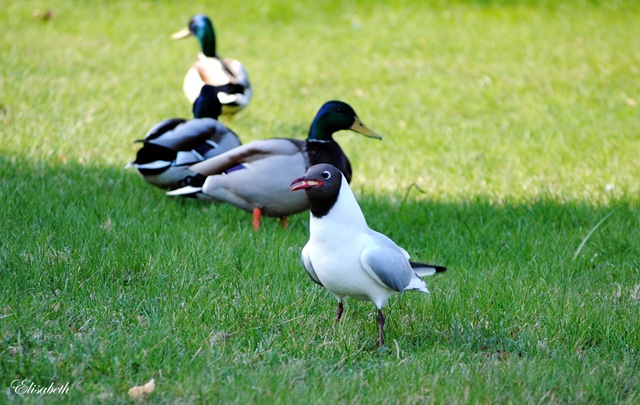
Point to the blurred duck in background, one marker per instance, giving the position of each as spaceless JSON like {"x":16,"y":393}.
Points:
{"x":227,"y":75}
{"x":172,"y":145}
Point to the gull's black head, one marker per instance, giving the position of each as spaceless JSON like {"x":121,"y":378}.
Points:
{"x":322,"y":184}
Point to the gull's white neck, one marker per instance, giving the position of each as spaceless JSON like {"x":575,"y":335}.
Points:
{"x":343,"y":219}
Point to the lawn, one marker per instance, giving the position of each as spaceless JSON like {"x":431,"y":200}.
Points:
{"x":510,"y":154}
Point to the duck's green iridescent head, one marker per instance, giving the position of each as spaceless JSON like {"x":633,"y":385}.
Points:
{"x":207,"y":105}
{"x":335,"y":116}
{"x":200,"y":27}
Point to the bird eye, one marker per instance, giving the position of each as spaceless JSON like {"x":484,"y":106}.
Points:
{"x":326,"y":175}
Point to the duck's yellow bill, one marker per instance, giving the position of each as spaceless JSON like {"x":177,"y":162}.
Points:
{"x":183,"y":33}
{"x":360,"y":128}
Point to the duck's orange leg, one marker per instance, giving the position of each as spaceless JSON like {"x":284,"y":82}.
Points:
{"x":257,"y":214}
{"x":285,"y":222}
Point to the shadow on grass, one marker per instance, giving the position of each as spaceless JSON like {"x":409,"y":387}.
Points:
{"x":473,"y":233}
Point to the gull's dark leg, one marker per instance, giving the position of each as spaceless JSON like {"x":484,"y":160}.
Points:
{"x":340,"y":309}
{"x":380,"y":326}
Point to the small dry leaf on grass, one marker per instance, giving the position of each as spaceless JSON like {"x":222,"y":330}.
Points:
{"x":44,"y":15}
{"x":140,"y":390}
{"x":107,"y":226}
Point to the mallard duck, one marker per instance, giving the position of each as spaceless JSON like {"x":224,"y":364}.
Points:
{"x":256,"y":176}
{"x":172,"y":145}
{"x":227,"y":75}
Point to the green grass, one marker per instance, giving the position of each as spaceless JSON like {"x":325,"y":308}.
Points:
{"x":510,"y":154}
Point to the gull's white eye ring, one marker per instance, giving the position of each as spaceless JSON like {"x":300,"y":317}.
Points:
{"x":326,"y":174}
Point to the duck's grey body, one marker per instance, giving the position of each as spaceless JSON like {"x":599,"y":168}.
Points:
{"x":173,"y":145}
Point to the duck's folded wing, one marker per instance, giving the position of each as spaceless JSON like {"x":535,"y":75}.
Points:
{"x":161,"y":127}
{"x":387,"y":266}
{"x":190,"y":134}
{"x":248,"y":153}
{"x":306,"y":263}
{"x":238,"y":73}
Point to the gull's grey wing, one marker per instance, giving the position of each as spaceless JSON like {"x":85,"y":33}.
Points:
{"x":387,"y":266}
{"x":383,"y":240}
{"x":306,"y":263}
{"x":421,"y":269}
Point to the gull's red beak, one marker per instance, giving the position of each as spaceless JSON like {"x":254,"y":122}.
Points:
{"x":302,"y":183}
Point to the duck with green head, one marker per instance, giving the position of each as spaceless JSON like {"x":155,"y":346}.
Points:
{"x":256,"y":176}
{"x":174,"y":144}
{"x":228,"y":75}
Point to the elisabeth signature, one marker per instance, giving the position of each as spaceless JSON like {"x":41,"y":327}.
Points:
{"x":27,"y":387}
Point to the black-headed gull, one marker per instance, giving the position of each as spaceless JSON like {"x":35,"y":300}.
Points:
{"x":347,"y":257}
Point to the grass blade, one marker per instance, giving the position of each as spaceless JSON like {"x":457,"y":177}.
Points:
{"x":588,"y":236}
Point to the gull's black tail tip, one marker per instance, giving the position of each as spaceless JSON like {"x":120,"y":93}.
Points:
{"x":422,"y":269}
